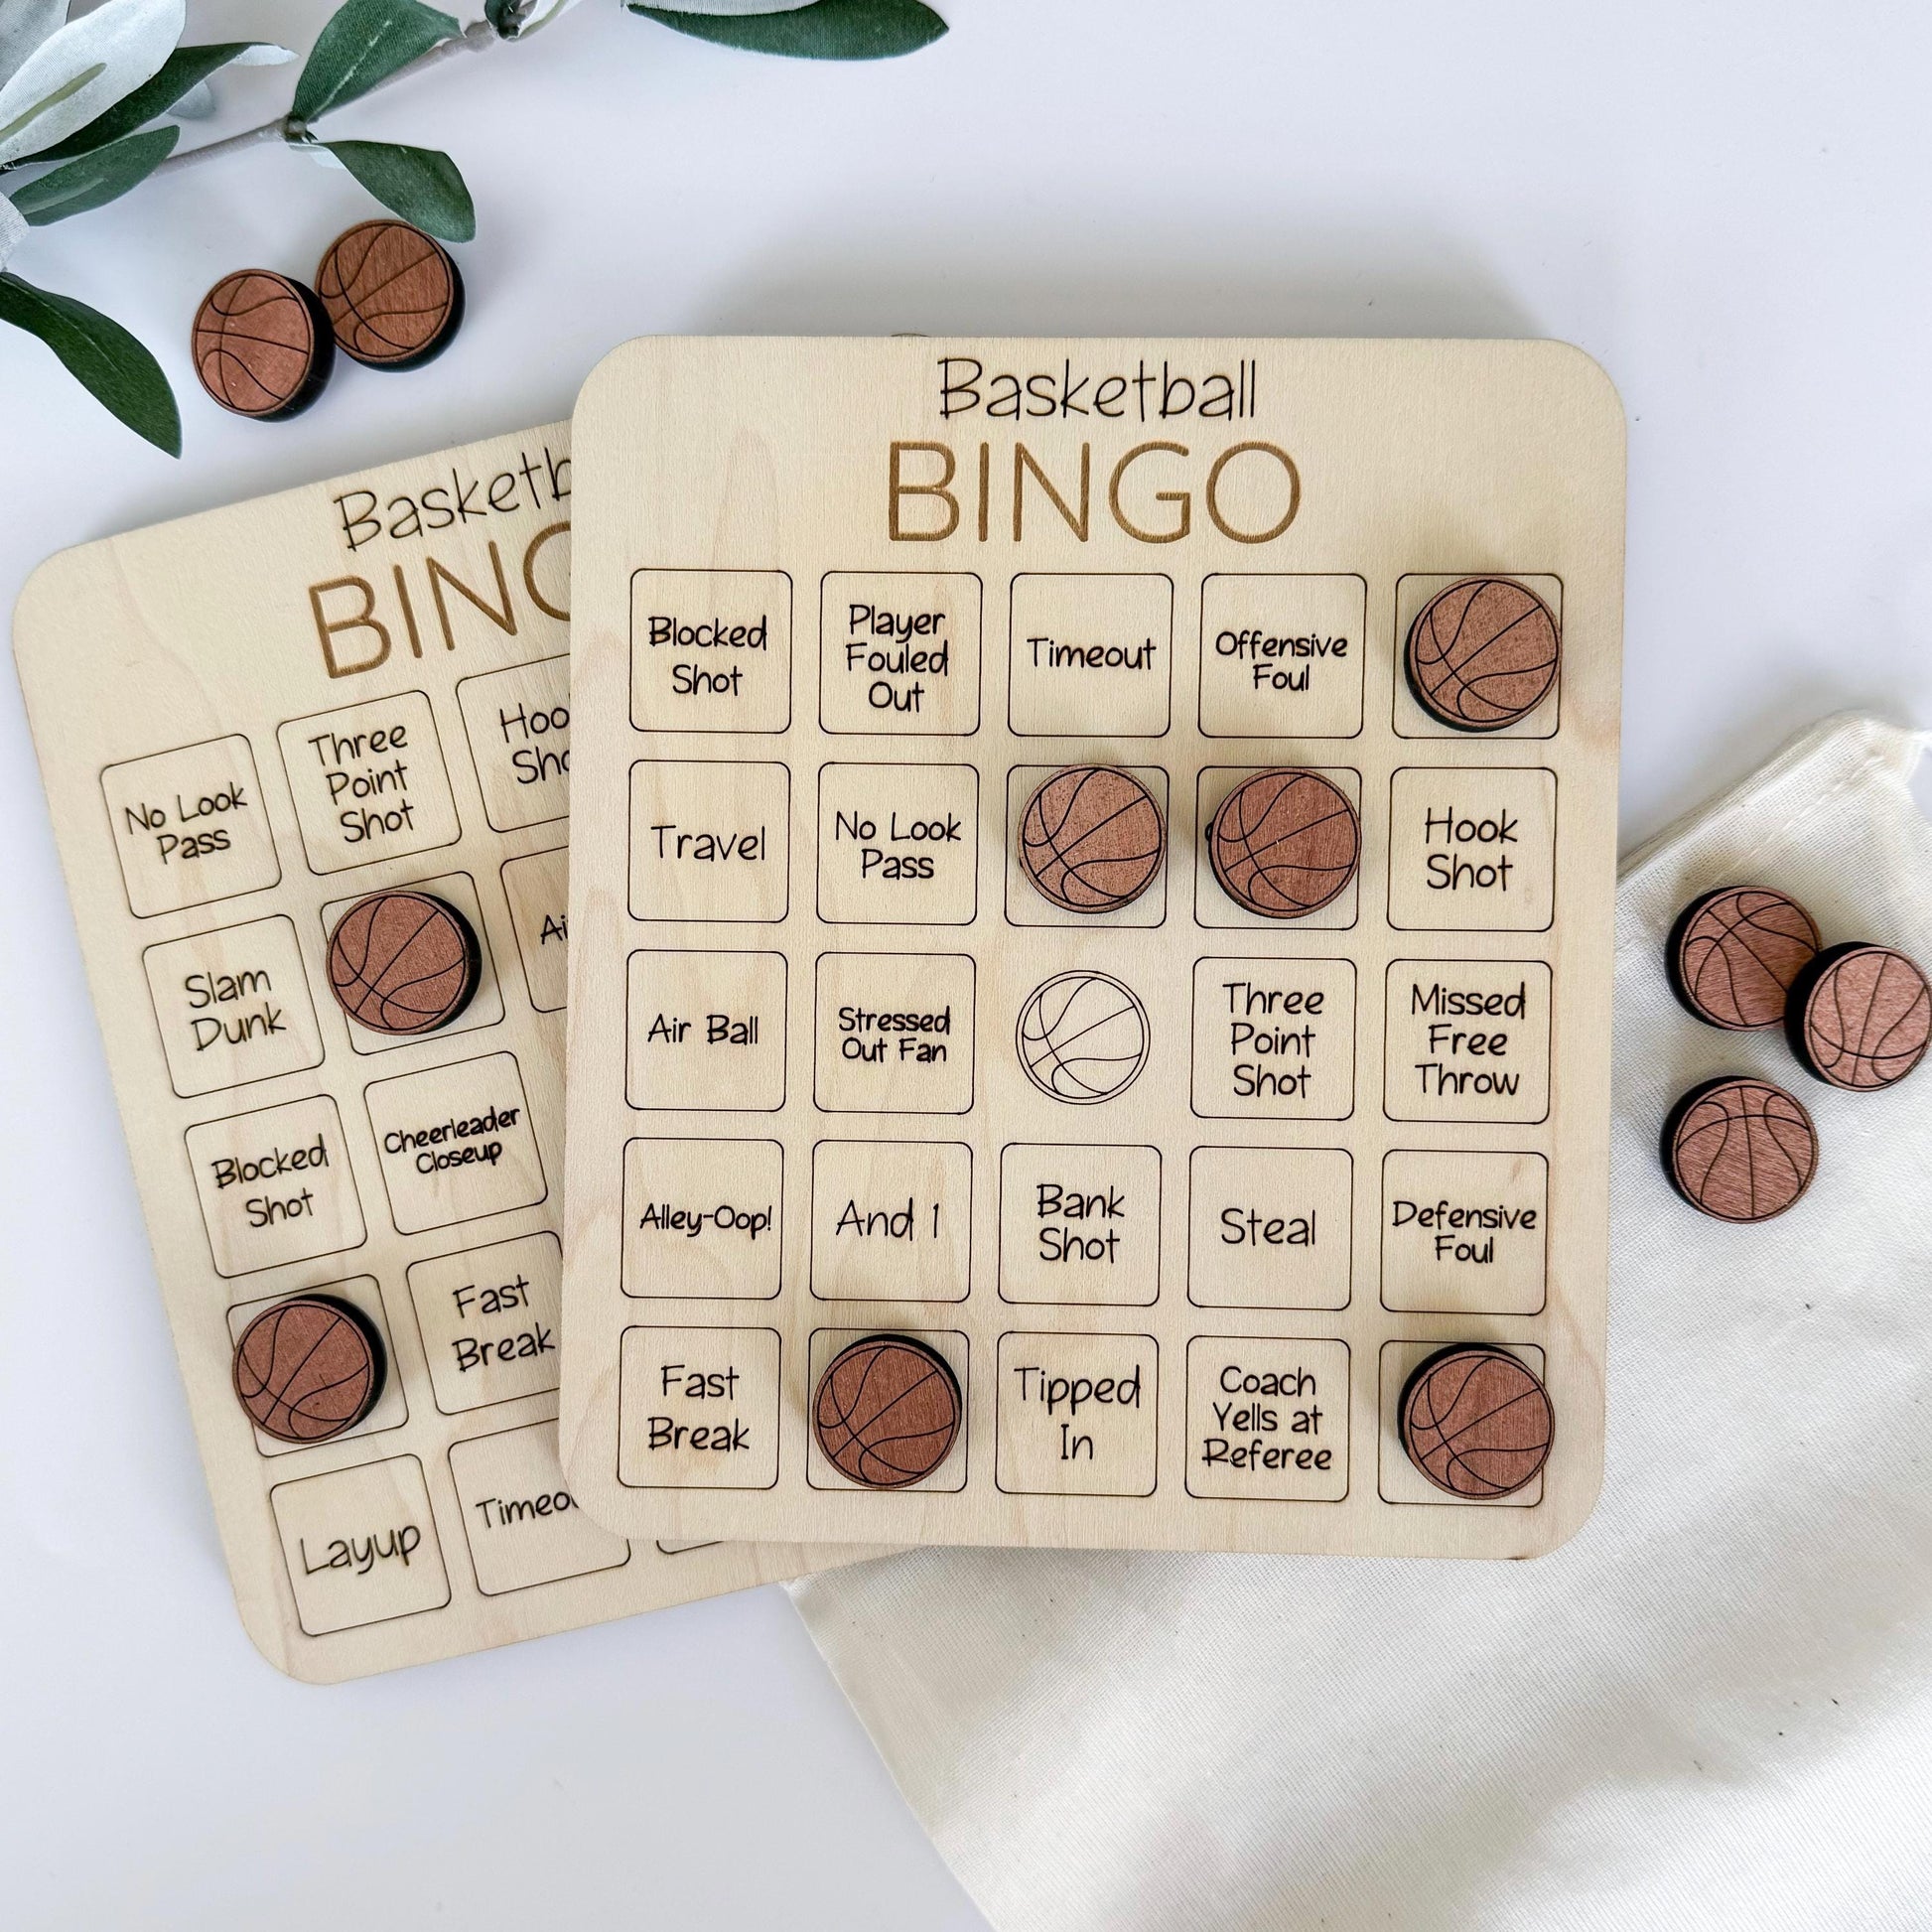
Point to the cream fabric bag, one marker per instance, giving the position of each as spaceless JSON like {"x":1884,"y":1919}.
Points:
{"x":1711,"y":1710}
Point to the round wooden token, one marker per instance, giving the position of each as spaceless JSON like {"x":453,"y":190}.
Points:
{"x":1476,"y":1420}
{"x":1739,"y":1148}
{"x":261,"y":344}
{"x":1092,"y":839}
{"x":1733,"y":954}
{"x":886,"y":1411}
{"x":402,"y":962}
{"x":1860,"y":1017}
{"x":1482,"y":653}
{"x":394,"y":294}
{"x":1284,"y":843}
{"x":308,"y":1369}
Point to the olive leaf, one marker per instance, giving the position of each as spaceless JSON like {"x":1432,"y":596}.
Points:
{"x":182,"y":69}
{"x":93,"y":179}
{"x":366,"y":42}
{"x":100,"y":353}
{"x":421,"y":184}
{"x":83,"y":68}
{"x":829,"y":30}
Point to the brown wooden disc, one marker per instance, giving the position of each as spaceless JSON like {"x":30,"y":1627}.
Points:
{"x":1735,"y":953}
{"x":392,"y":294}
{"x":1284,"y":843}
{"x":1092,"y":839}
{"x":1739,"y":1148}
{"x":1476,"y":1420}
{"x":308,"y":1369}
{"x":1860,"y":1017}
{"x":1482,"y":653}
{"x":402,"y":962}
{"x":886,"y":1411}
{"x":261,"y":344}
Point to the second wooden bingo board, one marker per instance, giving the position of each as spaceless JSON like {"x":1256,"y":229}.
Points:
{"x":1173,"y":1198}
{"x":250,"y":722}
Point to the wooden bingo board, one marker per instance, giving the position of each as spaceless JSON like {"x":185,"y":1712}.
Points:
{"x":843,"y":606}
{"x":247,"y":721}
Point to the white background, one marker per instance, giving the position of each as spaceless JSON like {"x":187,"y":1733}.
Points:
{"x":1726,"y":205}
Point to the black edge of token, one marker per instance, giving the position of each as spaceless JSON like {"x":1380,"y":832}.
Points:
{"x":321,"y":362}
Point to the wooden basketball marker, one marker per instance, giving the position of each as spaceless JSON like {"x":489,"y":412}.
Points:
{"x":1091,"y":925}
{"x":249,"y":724}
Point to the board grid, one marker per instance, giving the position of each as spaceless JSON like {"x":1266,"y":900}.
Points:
{"x":1164,"y":1187}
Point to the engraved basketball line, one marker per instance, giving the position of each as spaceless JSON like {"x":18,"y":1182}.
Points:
{"x":1508,"y":1416}
{"x":1084,"y":873}
{"x":1451,"y":681}
{"x":1865,"y":1029}
{"x":852,"y":1446}
{"x":281,"y":1398}
{"x":368,"y":326}
{"x":372,"y":994}
{"x":1740,"y":950}
{"x":1077,"y":1077}
{"x":1298,"y":867}
{"x":1744,"y":1149}
{"x":289,"y":356}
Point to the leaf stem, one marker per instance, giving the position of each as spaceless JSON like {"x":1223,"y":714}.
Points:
{"x":474,"y":38}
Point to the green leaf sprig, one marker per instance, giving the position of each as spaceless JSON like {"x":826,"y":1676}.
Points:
{"x":79,"y":102}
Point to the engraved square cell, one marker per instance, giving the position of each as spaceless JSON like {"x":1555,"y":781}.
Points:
{"x":368,"y":783}
{"x":1472,"y":848}
{"x":1079,"y":1223}
{"x":897,"y":843}
{"x":189,"y":826}
{"x":518,"y":725}
{"x":1269,"y":1227}
{"x":899,"y":651}
{"x":698,"y":1408}
{"x":706,"y":1029}
{"x":703,"y":1218}
{"x":1268,"y":1419}
{"x":522,"y":1523}
{"x":488,"y":1317}
{"x":892,"y":1221}
{"x":361,"y":1545}
{"x":456,"y":1143}
{"x":232,"y":1006}
{"x":710,"y":840}
{"x":275,"y":1186}
{"x":1090,"y":655}
{"x":1464,"y":1231}
{"x":710,"y":650}
{"x":893,"y":1032}
{"x":537,"y":886}
{"x":1273,"y":1039}
{"x":1077,"y":1414}
{"x":1468,"y":1039}
{"x":1281,"y":655}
